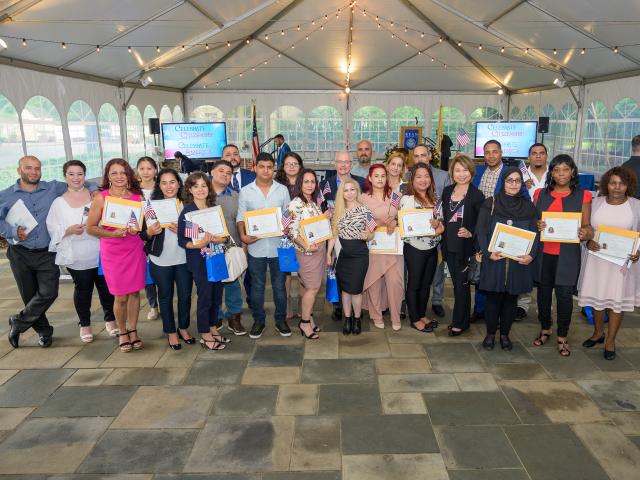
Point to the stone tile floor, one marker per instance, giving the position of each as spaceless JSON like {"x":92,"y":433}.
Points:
{"x":384,"y":405}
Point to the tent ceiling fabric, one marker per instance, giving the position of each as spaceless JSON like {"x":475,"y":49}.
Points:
{"x":378,"y":61}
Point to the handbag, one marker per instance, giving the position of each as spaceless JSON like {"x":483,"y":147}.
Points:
{"x":216,"y":265}
{"x":473,"y":268}
{"x":287,"y":260}
{"x":236,"y":261}
{"x":148,"y":280}
{"x":332,"y":293}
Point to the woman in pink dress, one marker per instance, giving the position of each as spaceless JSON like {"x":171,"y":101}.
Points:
{"x":384,"y":283}
{"x":121,"y":252}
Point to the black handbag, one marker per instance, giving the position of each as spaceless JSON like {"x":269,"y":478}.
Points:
{"x":473,"y":268}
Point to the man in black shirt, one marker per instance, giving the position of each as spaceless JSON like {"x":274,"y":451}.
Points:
{"x":634,"y":162}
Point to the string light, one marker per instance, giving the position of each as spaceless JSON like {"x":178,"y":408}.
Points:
{"x":64,"y":45}
{"x":502,"y":50}
{"x":615,"y":49}
{"x":24,"y":42}
{"x":129,"y":49}
{"x":298,"y":27}
{"x":480,"y":46}
{"x":228,"y":44}
{"x":206,"y":46}
{"x":266,"y":37}
{"x":406,"y":29}
{"x":183,"y":48}
{"x":248,"y":41}
{"x":459,"y":43}
{"x":379,"y":25}
{"x":281,"y":32}
{"x":439,"y":40}
{"x":555,"y":51}
{"x":158,"y":48}
{"x":98,"y":48}
{"x":392,"y":24}
{"x":422,"y":35}
{"x":526,"y":51}
{"x":406,"y":44}
{"x":583,"y":51}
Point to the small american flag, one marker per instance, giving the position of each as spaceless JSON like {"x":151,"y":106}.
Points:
{"x":85,"y":214}
{"x":191,"y":230}
{"x":439,"y":213}
{"x":458,"y":215}
{"x":395,"y":200}
{"x":524,"y":171}
{"x":286,"y":219}
{"x":327,"y":189}
{"x":320,"y":200}
{"x":463,"y":137}
{"x":133,"y":221}
{"x":371,"y":223}
{"x":149,"y":213}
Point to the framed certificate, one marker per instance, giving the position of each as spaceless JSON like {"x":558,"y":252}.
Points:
{"x":615,"y":242}
{"x":416,"y":222}
{"x":561,"y":227}
{"x":263,"y":223}
{"x":385,"y":244}
{"x":210,"y":219}
{"x":315,"y":229}
{"x":511,"y":242}
{"x":167,"y":211}
{"x":118,"y":213}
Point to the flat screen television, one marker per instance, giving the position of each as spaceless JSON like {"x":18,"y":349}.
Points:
{"x":515,"y":137}
{"x":197,"y":141}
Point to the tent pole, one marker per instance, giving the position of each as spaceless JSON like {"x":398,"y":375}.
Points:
{"x":577,"y":149}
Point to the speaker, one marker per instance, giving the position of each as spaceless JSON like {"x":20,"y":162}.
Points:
{"x":154,"y":126}
{"x":543,"y":124}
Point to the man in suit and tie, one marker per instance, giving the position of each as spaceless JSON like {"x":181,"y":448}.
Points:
{"x":281,"y":149}
{"x":240,"y":176}
{"x":422,"y":153}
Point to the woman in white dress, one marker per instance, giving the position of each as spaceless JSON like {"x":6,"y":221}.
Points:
{"x":77,"y":250}
{"x":147,"y":170}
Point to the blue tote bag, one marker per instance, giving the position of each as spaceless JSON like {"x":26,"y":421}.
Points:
{"x":216,"y":265}
{"x":287,"y":260}
{"x":332,"y":293}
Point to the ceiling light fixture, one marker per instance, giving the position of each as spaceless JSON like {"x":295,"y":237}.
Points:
{"x":129,"y":49}
{"x":24,"y":42}
{"x":98,"y":48}
{"x":158,"y":48}
{"x":555,"y":51}
{"x":583,"y":51}
{"x":3,"y":44}
{"x":615,"y":50}
{"x":347,"y":89}
{"x":559,"y":83}
{"x":64,"y":45}
{"x":500,"y":91}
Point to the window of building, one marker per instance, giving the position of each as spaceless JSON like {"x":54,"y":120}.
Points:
{"x":109,"y":125}
{"x":10,"y":142}
{"x":83,"y":133}
{"x":240,"y":128}
{"x":43,"y":135}
{"x":288,"y":121}
{"x":452,"y":120}
{"x":370,"y":123}
{"x":150,"y":140}
{"x":325,"y":130}
{"x":135,"y":135}
{"x":594,"y":156}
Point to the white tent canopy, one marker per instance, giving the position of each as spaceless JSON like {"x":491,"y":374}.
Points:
{"x":401,"y":59}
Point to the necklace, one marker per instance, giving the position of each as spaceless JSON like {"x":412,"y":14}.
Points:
{"x":76,"y":190}
{"x":453,"y":206}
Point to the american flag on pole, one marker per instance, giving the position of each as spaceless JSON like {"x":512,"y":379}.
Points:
{"x":463,"y":137}
{"x":286,"y":219}
{"x":524,"y":171}
{"x":149,"y":213}
{"x":395,"y":200}
{"x":255,"y":143}
{"x":191,"y":230}
{"x":458,"y":215}
{"x":133,"y":221}
{"x":371,"y":223}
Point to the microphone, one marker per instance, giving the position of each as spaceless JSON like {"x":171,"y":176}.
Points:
{"x":416,"y":120}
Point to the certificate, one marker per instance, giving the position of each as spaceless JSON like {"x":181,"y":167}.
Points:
{"x":385,"y":244}
{"x":167,"y":211}
{"x":121,"y":213}
{"x":315,"y":229}
{"x":263,"y":223}
{"x":416,"y":222}
{"x":19,"y":216}
{"x":615,"y":242}
{"x":210,"y":219}
{"x":511,"y":242}
{"x":561,"y":227}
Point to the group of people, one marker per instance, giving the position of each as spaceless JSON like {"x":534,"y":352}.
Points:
{"x":468,"y":202}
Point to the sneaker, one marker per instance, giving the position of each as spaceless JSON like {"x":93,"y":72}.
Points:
{"x":438,"y":310}
{"x":283,"y":329}
{"x":235,"y":325}
{"x":153,"y":314}
{"x":256,"y":330}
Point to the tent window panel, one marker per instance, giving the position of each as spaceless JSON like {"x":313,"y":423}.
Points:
{"x":404,"y":117}
{"x":177,"y":114}
{"x":370,"y":123}
{"x":452,"y":120}
{"x":165,"y":114}
{"x":624,"y":123}
{"x":10,"y":142}
{"x":83,"y":132}
{"x":43,"y":135}
{"x":594,"y":156}
{"x":206,"y":113}
{"x":289,"y":122}
{"x":109,"y":125}
{"x":325,"y":130}
{"x":562,"y":128}
{"x":240,"y":128}
{"x":149,"y":138}
{"x":135,"y":135}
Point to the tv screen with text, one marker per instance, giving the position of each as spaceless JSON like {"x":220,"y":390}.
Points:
{"x":195,"y":140}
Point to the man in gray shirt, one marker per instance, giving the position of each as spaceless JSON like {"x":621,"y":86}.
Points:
{"x":32,"y":264}
{"x":364,"y":153}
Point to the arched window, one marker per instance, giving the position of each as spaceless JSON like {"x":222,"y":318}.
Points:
{"x":83,"y":132}
{"x":240,"y":128}
{"x":177,"y":114}
{"x":289,"y":122}
{"x":527,"y":113}
{"x":206,"y":113}
{"x":149,"y":138}
{"x":135,"y":134}
{"x":109,"y":125}
{"x":10,"y":142}
{"x":562,"y":127}
{"x":325,"y":130}
{"x":594,"y":138}
{"x":452,"y":120}
{"x":165,"y":115}
{"x":405,"y":117}
{"x":624,"y":123}
{"x":43,"y":134}
{"x":370,"y":123}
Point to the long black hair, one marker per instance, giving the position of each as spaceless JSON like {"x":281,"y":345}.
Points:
{"x":297,"y":192}
{"x":567,"y":160}
{"x":281,"y":176}
{"x":157,"y":193}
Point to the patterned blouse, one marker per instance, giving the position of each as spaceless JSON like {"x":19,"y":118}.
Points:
{"x":353,"y":223}
{"x":300,"y":210}
{"x":421,"y":243}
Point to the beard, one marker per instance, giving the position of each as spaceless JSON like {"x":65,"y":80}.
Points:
{"x":28,"y":181}
{"x":363,"y":160}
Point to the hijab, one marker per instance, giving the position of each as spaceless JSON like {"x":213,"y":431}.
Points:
{"x":516,"y":207}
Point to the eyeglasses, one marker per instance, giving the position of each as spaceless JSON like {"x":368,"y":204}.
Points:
{"x":291,"y":164}
{"x":513,"y":181}
{"x":343,"y":162}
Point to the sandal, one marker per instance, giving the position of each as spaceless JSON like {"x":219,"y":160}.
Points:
{"x":216,"y":345}
{"x":541,"y":339}
{"x":85,"y":335}
{"x":111,"y":328}
{"x":136,"y":344}
{"x":563,"y":348}
{"x":220,"y":338}
{"x":312,"y":336}
{"x":125,"y":347}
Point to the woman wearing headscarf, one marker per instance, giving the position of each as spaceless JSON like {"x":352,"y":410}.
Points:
{"x":504,"y":278}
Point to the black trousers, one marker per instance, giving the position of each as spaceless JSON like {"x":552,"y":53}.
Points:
{"x":500,"y":310}
{"x":564,"y":297}
{"x":421,"y":268}
{"x":209,"y":301}
{"x":457,"y":262}
{"x":166,"y":278}
{"x":83,"y":282}
{"x":37,"y":277}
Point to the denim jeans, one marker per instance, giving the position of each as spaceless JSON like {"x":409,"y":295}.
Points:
{"x":152,"y":293}
{"x":258,"y":271}
{"x":165,"y":278}
{"x":232,"y":299}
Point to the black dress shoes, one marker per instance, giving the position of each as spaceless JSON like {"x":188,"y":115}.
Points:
{"x":45,"y":341}
{"x":609,"y":354}
{"x":337,"y":314}
{"x":438,"y":310}
{"x":489,"y":342}
{"x":505,"y":343}
{"x":588,"y":343}
{"x":14,"y":333}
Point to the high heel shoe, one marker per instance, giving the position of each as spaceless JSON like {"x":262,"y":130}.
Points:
{"x":188,"y":341}
{"x":356,"y":327}
{"x":589,"y":342}
{"x":312,"y":336}
{"x":347,"y":326}
{"x":137,"y":343}
{"x":609,"y":354}
{"x":215,"y":344}
{"x":505,"y":343}
{"x":125,"y":347}
{"x":174,"y":346}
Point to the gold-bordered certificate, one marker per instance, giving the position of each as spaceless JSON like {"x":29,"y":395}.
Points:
{"x":561,"y":227}
{"x":616,"y":242}
{"x":210,"y":219}
{"x":315,"y":229}
{"x":117,"y":213}
{"x":263,"y":223}
{"x":511,"y":242}
{"x":416,"y":222}
{"x":384,"y":244}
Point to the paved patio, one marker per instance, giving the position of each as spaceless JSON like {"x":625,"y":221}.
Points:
{"x":384,"y":405}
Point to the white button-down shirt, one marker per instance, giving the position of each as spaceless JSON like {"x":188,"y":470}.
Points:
{"x":251,"y":198}
{"x":536,"y":184}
